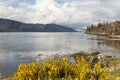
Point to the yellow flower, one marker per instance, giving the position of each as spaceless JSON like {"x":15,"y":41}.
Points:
{"x":60,"y":69}
{"x":117,"y":78}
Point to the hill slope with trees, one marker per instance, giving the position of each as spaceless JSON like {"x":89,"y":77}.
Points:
{"x":112,"y":28}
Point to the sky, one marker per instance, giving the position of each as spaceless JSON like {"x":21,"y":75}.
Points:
{"x":64,"y":12}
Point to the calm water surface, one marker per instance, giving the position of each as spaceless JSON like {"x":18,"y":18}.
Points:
{"x":18,"y":48}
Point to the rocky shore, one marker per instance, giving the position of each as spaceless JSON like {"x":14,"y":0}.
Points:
{"x":108,"y":61}
{"x":113,"y":37}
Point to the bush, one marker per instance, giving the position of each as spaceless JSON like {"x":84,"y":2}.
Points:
{"x":61,"y":69}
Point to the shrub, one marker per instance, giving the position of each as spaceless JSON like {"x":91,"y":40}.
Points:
{"x":61,"y":69}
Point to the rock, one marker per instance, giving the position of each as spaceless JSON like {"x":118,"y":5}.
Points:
{"x":39,"y":55}
{"x":80,"y":54}
{"x":25,"y":58}
{"x":95,"y":53}
{"x":72,"y":60}
{"x":108,"y":56}
{"x":96,"y":57}
{"x":102,"y":58}
{"x":104,"y":63}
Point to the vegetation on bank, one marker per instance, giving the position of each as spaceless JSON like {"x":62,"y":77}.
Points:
{"x":104,"y":28}
{"x":61,"y":69}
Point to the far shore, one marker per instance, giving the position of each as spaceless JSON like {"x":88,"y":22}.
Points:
{"x":93,"y":33}
{"x":109,"y":37}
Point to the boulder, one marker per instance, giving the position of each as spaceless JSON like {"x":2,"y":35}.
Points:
{"x":95,"y":55}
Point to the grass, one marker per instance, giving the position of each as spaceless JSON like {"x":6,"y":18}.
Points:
{"x":114,"y":74}
{"x":113,"y":61}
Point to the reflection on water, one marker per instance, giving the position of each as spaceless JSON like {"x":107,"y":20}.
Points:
{"x":108,"y":47}
{"x":18,"y":48}
{"x":112,"y":43}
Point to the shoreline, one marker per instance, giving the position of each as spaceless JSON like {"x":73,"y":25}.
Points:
{"x":108,"y":36}
{"x":114,"y":37}
{"x":93,"y":33}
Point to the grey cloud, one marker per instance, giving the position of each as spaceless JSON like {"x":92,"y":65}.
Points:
{"x":72,"y":12}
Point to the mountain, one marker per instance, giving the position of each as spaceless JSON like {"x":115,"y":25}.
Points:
{"x":79,"y":29}
{"x":104,"y":28}
{"x":7,"y":25}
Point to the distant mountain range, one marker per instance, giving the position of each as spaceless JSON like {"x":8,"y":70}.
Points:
{"x":7,"y":25}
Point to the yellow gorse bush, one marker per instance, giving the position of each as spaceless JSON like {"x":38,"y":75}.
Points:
{"x":61,"y":69}
{"x":99,"y":73}
{"x":117,"y":78}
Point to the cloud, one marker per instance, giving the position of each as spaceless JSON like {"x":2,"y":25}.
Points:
{"x":61,"y":12}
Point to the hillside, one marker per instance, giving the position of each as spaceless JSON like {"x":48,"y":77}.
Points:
{"x":104,"y":28}
{"x":7,"y":25}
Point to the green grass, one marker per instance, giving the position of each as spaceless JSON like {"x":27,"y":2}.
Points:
{"x":113,"y":62}
{"x":114,"y":74}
